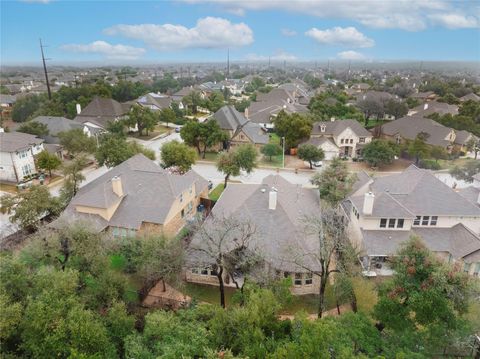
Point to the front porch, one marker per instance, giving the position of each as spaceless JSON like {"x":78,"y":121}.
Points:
{"x":376,"y":266}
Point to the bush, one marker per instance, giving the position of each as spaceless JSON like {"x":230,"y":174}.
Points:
{"x":429,"y":165}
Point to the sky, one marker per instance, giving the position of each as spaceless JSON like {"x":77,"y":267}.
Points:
{"x":124,"y":32}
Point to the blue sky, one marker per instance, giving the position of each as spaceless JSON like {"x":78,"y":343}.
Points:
{"x":201,"y":30}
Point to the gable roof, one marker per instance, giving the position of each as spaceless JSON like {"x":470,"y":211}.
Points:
{"x":158,"y":100}
{"x":149,"y":192}
{"x":429,"y":108}
{"x":471,"y":96}
{"x":409,"y":127}
{"x":277,"y":231}
{"x":56,"y":125}
{"x":420,"y":193}
{"x":102,"y":110}
{"x":335,"y":128}
{"x":17,"y":141}
{"x":458,"y":241}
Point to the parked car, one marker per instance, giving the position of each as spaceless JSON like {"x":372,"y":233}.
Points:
{"x":177,"y":129}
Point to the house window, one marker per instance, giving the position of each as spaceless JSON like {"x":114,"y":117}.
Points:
{"x":181,"y":197}
{"x":391,"y":223}
{"x":298,"y":279}
{"x":433,"y":221}
{"x":22,"y":154}
{"x":341,"y":141}
{"x":351,"y":140}
{"x":195,"y":271}
{"x":425,"y":220}
{"x":400,"y":223}
{"x":476,"y":271}
{"x":204,"y":271}
{"x":383,"y":223}
{"x":361,"y":140}
{"x":416,"y":222}
{"x":26,"y":169}
{"x":308,"y":278}
{"x":183,"y":213}
{"x":466,"y":267}
{"x":213,"y":272}
{"x":286,"y":274}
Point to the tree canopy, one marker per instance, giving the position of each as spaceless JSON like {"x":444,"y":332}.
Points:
{"x":294,"y":127}
{"x":178,"y":155}
{"x":380,"y":152}
{"x":242,"y":158}
{"x":310,"y":153}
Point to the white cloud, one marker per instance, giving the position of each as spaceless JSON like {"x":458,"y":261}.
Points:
{"x":288,"y":32}
{"x":345,"y":36}
{"x":410,"y":15}
{"x":119,"y":52}
{"x":351,"y":55}
{"x":455,"y":21}
{"x":278,"y":56}
{"x":209,"y":32}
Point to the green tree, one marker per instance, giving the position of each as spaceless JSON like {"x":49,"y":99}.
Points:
{"x":334,"y":182}
{"x":466,"y":172}
{"x":215,"y":101}
{"x":179,"y":155}
{"x":310,"y":153}
{"x":143,"y":118}
{"x":48,"y":161}
{"x":294,"y":127}
{"x":28,"y":208}
{"x":438,"y":153}
{"x":380,"y":152}
{"x":242,"y":158}
{"x":242,"y":105}
{"x":76,"y":141}
{"x":270,"y":150}
{"x":73,"y":175}
{"x":473,"y":145}
{"x":33,"y":128}
{"x":424,"y":300}
{"x":114,"y":150}
{"x":193,"y":100}
{"x":418,"y":148}
{"x":202,"y":135}
{"x":117,"y":128}
{"x":25,"y":107}
{"x":168,"y":115}
{"x":396,"y":108}
{"x":191,"y":134}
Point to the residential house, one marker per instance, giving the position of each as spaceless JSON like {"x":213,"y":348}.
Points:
{"x":138,"y":197}
{"x":471,"y":96}
{"x":56,"y":124}
{"x":6,"y":105}
{"x":239,"y":129}
{"x":409,"y":127}
{"x":472,"y":193}
{"x":179,"y":95}
{"x":17,"y":155}
{"x":424,"y":96}
{"x":385,"y":211}
{"x":276,"y":208}
{"x":339,"y":138}
{"x":429,"y":108}
{"x":154,"y":101}
{"x":462,"y":139}
{"x":268,"y":105}
{"x":100,"y":111}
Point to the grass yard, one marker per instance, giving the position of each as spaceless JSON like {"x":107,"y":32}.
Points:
{"x":157,"y":131}
{"x":449,"y":164}
{"x":8,"y":187}
{"x":209,"y":156}
{"x":274,"y":138}
{"x":208,"y":293}
{"x":277,"y":161}
{"x":216,"y":192}
{"x":373,"y":123}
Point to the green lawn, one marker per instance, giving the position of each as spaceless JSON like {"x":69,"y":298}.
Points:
{"x":449,"y":164}
{"x":208,"y":293}
{"x":209,"y":156}
{"x":274,"y":138}
{"x":277,"y":161}
{"x":157,"y":131}
{"x":216,"y":192}
{"x":372,"y":123}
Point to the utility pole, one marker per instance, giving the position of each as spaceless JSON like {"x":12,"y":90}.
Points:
{"x":45,"y":70}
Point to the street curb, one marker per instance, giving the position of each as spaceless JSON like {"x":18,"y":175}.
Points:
{"x":288,"y":169}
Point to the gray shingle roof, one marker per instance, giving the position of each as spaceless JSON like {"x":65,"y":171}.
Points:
{"x":470,"y":193}
{"x":16,"y":141}
{"x":278,"y":231}
{"x":149,"y":192}
{"x":420,"y":192}
{"x":462,"y":137}
{"x":409,"y":127}
{"x":441,"y":108}
{"x":470,"y":96}
{"x":160,"y":101}
{"x":458,"y":240}
{"x":102,"y":110}
{"x":334,"y":128}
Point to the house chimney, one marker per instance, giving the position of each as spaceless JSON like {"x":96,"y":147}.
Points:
{"x":79,"y":108}
{"x":425,"y":106}
{"x":272,"y":199}
{"x":246,"y":112}
{"x":368,"y":203}
{"x":117,"y":186}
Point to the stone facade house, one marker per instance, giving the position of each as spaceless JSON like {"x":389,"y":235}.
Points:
{"x":239,"y":129}
{"x":339,"y":138}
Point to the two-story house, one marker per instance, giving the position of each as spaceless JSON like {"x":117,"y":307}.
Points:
{"x":138,"y":197}
{"x":339,"y":138}
{"x":17,"y":155}
{"x":239,"y":129}
{"x":385,"y":211}
{"x":276,"y":209}
{"x":100,"y":111}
